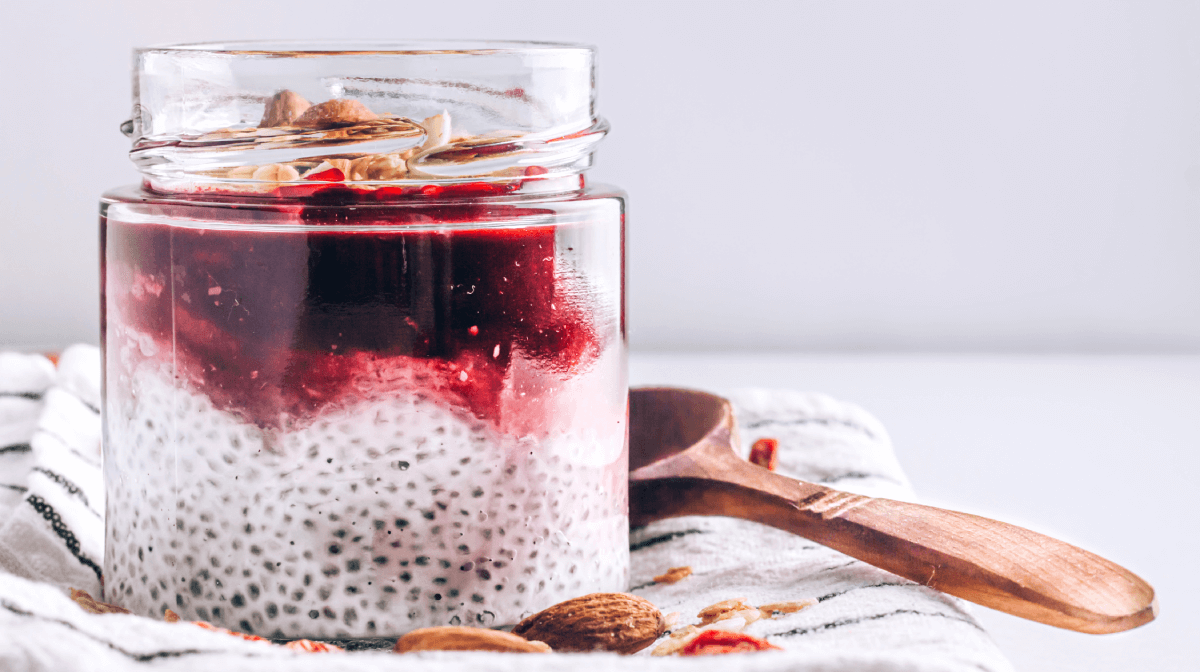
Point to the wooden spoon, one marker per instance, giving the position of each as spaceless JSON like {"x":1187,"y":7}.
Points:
{"x":682,"y":463}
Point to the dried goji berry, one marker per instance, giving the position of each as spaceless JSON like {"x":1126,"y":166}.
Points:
{"x":713,"y":642}
{"x":765,"y":453}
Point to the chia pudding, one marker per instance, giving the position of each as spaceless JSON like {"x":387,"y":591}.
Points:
{"x":338,"y":413}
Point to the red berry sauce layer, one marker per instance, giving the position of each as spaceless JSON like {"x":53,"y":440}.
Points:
{"x":275,"y":322}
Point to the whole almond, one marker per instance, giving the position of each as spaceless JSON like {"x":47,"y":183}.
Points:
{"x":241,"y":172}
{"x":283,"y":109}
{"x":596,"y":622}
{"x":276,"y":172}
{"x":335,"y":113}
{"x":458,"y":638}
{"x":378,"y":167}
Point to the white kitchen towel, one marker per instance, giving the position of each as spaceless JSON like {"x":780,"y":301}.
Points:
{"x":863,"y":619}
{"x":55,"y":532}
{"x":24,"y":380}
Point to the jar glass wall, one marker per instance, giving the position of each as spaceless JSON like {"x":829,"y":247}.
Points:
{"x":350,"y":405}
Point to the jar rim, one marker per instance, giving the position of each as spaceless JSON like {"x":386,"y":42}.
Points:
{"x":356,"y":47}
{"x":415,"y":111}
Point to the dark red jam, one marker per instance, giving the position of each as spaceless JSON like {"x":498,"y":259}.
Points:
{"x":275,"y":322}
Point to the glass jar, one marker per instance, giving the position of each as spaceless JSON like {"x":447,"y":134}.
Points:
{"x":364,"y":339}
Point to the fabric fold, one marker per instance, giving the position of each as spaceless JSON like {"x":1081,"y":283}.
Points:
{"x":54,"y":531}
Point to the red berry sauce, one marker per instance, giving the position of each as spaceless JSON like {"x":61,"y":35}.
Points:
{"x":274,"y":323}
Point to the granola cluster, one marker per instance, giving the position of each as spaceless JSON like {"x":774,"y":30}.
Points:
{"x":289,"y":121}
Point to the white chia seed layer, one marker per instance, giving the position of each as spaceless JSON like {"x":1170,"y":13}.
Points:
{"x":375,"y":519}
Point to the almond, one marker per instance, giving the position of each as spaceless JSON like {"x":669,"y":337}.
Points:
{"x":596,"y":622}
{"x":437,"y":130}
{"x":276,"y":172}
{"x":458,"y":638}
{"x":335,"y":113}
{"x":378,"y":167}
{"x":283,"y":109}
{"x":241,"y":172}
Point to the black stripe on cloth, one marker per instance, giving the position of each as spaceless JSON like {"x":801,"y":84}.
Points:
{"x":839,"y":593}
{"x":32,"y":396}
{"x":874,"y":617}
{"x":643,"y":585}
{"x":662,"y":539}
{"x":857,"y":474}
{"x":70,"y":487}
{"x":18,"y":488}
{"x":60,"y":528}
{"x":83,"y":401}
{"x":828,"y":422}
{"x":16,"y":448}
{"x":92,"y":461}
{"x":139,"y":657}
{"x":841,"y":566}
{"x":66,"y":484}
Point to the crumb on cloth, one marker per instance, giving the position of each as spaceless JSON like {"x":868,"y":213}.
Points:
{"x":93,"y":606}
{"x":674,"y":575}
{"x":727,"y":619}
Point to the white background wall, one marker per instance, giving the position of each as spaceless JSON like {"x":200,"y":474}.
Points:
{"x":1003,"y":176}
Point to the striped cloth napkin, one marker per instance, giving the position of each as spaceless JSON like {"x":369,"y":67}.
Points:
{"x":861,"y":619}
{"x":51,"y":489}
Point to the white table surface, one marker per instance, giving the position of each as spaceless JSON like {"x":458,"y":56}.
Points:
{"x":1101,"y":451}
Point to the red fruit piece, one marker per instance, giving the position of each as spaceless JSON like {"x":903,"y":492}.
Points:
{"x":715,"y":642}
{"x":306,"y":645}
{"x":765,"y":453}
{"x":309,"y":646}
{"x":327,"y":175}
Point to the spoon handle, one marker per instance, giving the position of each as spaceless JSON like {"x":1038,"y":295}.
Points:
{"x":997,"y":565}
